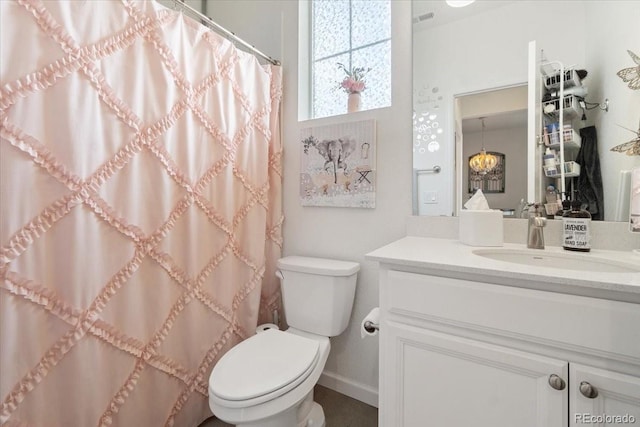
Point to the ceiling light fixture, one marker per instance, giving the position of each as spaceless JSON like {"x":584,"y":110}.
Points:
{"x":483,"y":162}
{"x":459,"y":3}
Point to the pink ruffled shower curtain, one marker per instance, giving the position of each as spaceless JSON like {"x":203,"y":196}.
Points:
{"x":140,"y":212}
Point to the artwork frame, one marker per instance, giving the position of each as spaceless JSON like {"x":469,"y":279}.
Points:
{"x":491,"y":182}
{"x":338,"y":165}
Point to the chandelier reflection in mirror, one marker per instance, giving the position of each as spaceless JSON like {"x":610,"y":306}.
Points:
{"x":483,"y":162}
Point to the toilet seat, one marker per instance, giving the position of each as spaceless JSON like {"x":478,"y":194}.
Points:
{"x":263,"y":367}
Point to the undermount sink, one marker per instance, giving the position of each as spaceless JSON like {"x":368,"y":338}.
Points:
{"x":564,"y":261}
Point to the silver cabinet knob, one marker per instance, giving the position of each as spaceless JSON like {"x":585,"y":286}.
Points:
{"x":556,"y":382}
{"x":588,"y":390}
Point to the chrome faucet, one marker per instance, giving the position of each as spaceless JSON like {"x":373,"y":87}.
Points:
{"x":535,"y":232}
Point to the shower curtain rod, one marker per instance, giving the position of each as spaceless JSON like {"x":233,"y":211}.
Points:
{"x":217,"y":27}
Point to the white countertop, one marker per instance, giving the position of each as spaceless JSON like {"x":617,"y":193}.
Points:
{"x":446,"y":257}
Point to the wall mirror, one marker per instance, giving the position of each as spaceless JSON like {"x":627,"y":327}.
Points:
{"x":465,"y":61}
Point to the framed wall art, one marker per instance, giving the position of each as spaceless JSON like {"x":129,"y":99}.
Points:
{"x":338,"y":165}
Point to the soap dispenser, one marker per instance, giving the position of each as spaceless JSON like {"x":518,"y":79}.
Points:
{"x":576,"y":226}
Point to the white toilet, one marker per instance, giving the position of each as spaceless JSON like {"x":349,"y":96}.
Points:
{"x":268,"y":379}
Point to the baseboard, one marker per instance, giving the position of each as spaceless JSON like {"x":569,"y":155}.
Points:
{"x":348,"y":387}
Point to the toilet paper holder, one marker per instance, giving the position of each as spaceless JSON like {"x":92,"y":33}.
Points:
{"x":369,"y":326}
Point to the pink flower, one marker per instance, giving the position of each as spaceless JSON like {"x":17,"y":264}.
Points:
{"x":354,"y":81}
{"x":358,"y":86}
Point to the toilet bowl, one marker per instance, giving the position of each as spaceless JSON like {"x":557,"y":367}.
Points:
{"x":268,"y":379}
{"x":274,"y":390}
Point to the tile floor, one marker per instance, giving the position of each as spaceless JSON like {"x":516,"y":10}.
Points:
{"x":339,"y":411}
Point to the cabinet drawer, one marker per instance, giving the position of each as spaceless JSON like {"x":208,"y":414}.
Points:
{"x":602,"y":328}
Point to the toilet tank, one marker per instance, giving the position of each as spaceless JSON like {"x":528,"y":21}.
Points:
{"x":317,"y":293}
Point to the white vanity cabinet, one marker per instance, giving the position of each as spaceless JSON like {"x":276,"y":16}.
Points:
{"x":456,"y":352}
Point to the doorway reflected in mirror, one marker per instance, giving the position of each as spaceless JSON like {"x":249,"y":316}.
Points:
{"x":504,"y":117}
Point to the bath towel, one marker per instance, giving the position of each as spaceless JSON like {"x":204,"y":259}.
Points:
{"x":590,"y":191}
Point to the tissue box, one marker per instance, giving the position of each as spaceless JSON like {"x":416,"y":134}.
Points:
{"x":481,"y":228}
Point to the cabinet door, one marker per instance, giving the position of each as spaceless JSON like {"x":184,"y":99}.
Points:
{"x":600,"y":397}
{"x":433,"y":379}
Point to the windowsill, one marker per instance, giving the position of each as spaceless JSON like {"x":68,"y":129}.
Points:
{"x":346,"y":115}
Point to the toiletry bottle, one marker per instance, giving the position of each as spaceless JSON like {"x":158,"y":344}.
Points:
{"x":576,"y":226}
{"x":549,"y":158}
{"x":555,"y":136}
{"x":566,"y":207}
{"x":551,"y":194}
{"x":545,"y":133}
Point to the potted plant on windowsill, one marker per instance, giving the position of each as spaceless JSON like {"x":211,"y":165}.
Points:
{"x":353,"y":84}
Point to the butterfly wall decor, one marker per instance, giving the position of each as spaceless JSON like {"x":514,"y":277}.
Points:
{"x":631,"y":75}
{"x":632,"y":148}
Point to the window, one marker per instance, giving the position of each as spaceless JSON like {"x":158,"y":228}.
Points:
{"x":356,"y":33}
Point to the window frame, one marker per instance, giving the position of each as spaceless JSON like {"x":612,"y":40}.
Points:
{"x":313,"y":60}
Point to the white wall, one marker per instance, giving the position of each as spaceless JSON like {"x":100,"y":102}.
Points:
{"x":494,"y":102}
{"x":339,"y":233}
{"x":258,"y":22}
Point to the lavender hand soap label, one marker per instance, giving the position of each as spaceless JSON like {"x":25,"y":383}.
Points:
{"x":577,"y":236}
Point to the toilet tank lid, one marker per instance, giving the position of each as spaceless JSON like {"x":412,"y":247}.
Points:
{"x":322,"y":266}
